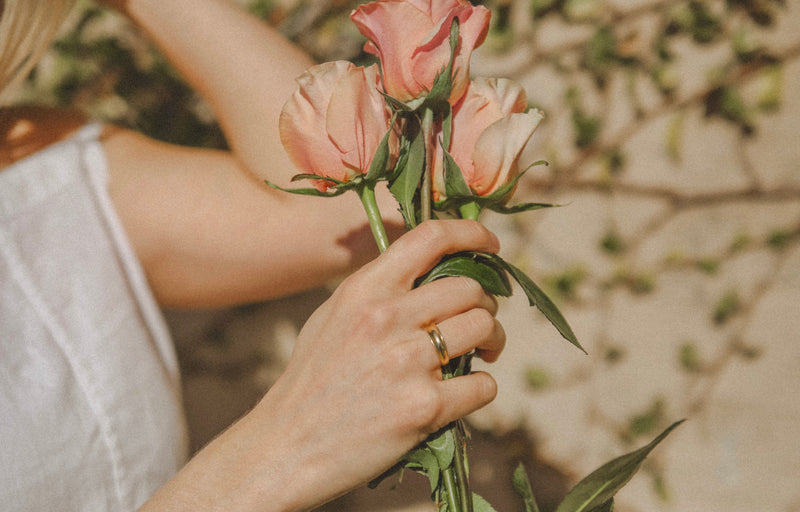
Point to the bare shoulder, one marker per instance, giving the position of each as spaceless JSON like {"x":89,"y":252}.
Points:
{"x":24,"y":130}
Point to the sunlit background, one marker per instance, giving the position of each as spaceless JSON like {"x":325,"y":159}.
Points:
{"x":673,"y":141}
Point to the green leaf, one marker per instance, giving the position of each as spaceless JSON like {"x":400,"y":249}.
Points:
{"x":480,"y":267}
{"x":380,"y":160}
{"x":308,"y":191}
{"x":402,"y":160}
{"x":602,"y":50}
{"x":447,"y":127}
{"x":481,"y":505}
{"x":500,"y":195}
{"x":397,"y":469}
{"x":587,"y":128}
{"x":458,"y":195}
{"x":423,"y":461}
{"x":536,"y":297}
{"x":404,"y":187}
{"x":728,"y":305}
{"x":300,"y":177}
{"x":522,"y":486}
{"x":594,"y":492}
{"x":443,"y":446}
{"x":443,"y":82}
{"x":518,"y":208}
{"x":605,"y":507}
{"x":454,"y":183}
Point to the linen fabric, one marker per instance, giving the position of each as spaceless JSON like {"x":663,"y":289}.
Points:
{"x":91,"y":417}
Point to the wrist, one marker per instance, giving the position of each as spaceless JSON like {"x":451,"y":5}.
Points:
{"x":242,"y":469}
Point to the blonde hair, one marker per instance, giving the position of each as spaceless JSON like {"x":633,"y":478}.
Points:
{"x":26,"y":29}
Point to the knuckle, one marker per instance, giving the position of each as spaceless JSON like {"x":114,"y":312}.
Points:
{"x":472,"y":289}
{"x":482,"y":321}
{"x":427,"y":408}
{"x":431,"y":232}
{"x":400,"y":358}
{"x":379,"y":317}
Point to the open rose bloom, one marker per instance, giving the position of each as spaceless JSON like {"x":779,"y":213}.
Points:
{"x":333,"y":124}
{"x":490,"y":129}
{"x":411,"y":38}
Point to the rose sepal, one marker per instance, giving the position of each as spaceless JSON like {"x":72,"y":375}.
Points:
{"x":458,"y":193}
{"x":438,"y":97}
{"x":404,"y":179}
{"x":337,"y":187}
{"x":379,"y":167}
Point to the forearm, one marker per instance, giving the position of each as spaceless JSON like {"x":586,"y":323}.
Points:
{"x":248,"y":467}
{"x":241,"y":66}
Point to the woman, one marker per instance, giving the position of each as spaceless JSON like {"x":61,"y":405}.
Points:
{"x":99,"y":225}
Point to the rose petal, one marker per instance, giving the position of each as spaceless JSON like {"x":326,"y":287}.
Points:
{"x":357,"y":118}
{"x":411,"y":38}
{"x":394,"y":30}
{"x":485,"y":102}
{"x":303,"y":119}
{"x":497,"y":151}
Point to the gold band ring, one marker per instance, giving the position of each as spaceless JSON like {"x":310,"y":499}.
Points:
{"x":438,"y":343}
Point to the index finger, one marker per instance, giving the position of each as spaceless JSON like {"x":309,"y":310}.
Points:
{"x":420,"y":249}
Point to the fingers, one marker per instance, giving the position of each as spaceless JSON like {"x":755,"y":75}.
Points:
{"x":464,"y":313}
{"x":443,"y":298}
{"x":463,"y":395}
{"x":420,"y":249}
{"x":474,"y":330}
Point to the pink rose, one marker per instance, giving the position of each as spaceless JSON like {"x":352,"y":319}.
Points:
{"x":412,"y":40}
{"x":334,"y":123}
{"x":490,"y":130}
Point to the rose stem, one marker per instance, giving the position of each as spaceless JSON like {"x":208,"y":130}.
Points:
{"x":425,"y":190}
{"x":367,"y":195}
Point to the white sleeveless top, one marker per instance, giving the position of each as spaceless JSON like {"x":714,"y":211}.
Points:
{"x":90,"y":408}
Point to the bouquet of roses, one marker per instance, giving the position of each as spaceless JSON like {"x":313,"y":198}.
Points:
{"x":447,"y":146}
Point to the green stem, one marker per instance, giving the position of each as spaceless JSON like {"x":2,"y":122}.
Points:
{"x":456,"y":482}
{"x":367,"y":194}
{"x":460,"y":467}
{"x":451,"y":489}
{"x":425,"y":195}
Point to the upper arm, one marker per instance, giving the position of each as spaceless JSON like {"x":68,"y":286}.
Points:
{"x":209,"y":233}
